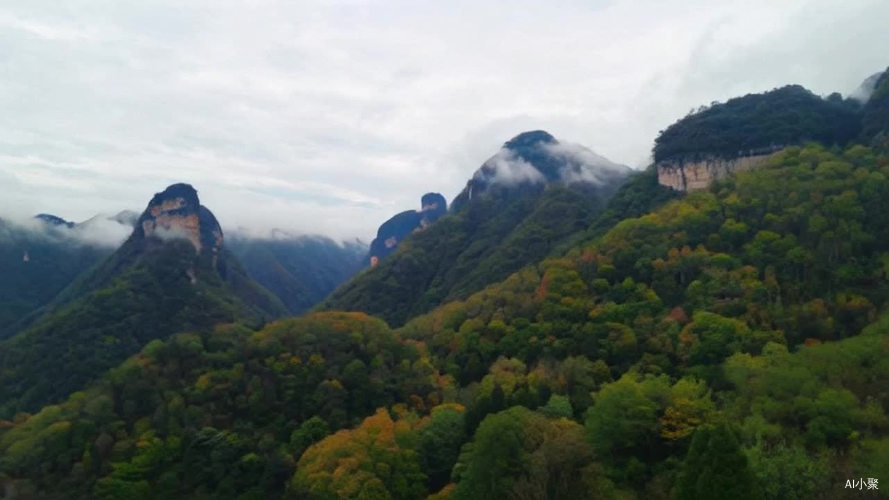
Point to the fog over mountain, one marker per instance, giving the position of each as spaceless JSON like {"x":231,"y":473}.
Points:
{"x":341,"y":112}
{"x":102,"y":230}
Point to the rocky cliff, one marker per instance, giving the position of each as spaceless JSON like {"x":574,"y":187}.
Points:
{"x":695,"y":175}
{"x":394,"y":230}
{"x":176,"y":212}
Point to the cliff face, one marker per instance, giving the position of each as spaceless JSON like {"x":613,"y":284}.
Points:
{"x":176,"y":212}
{"x":695,"y":175}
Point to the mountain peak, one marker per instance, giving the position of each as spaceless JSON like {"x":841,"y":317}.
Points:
{"x":394,"y":230}
{"x":435,"y":203}
{"x":176,"y":212}
{"x":529,"y":139}
{"x":185,"y":192}
{"x":536,"y":158}
{"x":53,"y":220}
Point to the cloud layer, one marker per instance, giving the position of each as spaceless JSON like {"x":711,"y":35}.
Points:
{"x":329,"y":116}
{"x":101,"y":230}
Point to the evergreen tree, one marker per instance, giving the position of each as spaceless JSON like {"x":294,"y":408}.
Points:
{"x":715,"y":467}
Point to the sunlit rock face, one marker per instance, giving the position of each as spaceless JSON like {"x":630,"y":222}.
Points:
{"x":393,"y":231}
{"x":696,"y":175}
{"x":176,"y":212}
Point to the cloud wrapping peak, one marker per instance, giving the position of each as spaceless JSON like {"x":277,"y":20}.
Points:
{"x":583,"y":165}
{"x":171,"y":233}
{"x":573,"y":163}
{"x":507,"y":169}
{"x":102,"y":230}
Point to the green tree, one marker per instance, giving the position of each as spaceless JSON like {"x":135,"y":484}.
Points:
{"x":440,"y":441}
{"x":558,"y":406}
{"x":715,"y":467}
{"x":309,"y":432}
{"x":623,"y":420}
{"x":519,"y":453}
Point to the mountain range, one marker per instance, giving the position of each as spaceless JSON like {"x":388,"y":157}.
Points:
{"x":565,"y":328}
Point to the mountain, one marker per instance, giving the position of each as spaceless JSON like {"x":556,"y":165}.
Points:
{"x":40,"y":257}
{"x":300,"y":270}
{"x":172,"y":274}
{"x":394,"y":230}
{"x":737,"y":330}
{"x":536,"y":158}
{"x":517,"y":207}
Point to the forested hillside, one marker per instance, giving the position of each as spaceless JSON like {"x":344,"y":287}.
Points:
{"x":724,"y":335}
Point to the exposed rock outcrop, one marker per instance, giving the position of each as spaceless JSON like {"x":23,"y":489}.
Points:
{"x":176,"y":212}
{"x":695,"y":175}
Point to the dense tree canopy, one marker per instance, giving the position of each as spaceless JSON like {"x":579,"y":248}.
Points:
{"x":757,"y":123}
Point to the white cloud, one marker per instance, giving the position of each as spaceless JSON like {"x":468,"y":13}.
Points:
{"x":508,"y":169}
{"x":331,"y":117}
{"x":100,"y":230}
{"x":584,"y":165}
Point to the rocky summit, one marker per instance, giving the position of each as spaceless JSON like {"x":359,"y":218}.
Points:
{"x":394,"y":230}
{"x":176,"y":212}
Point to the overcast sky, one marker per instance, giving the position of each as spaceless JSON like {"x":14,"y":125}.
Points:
{"x":329,"y":117}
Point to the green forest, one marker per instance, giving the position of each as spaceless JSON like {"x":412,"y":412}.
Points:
{"x":758,"y":123}
{"x":730,"y":343}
